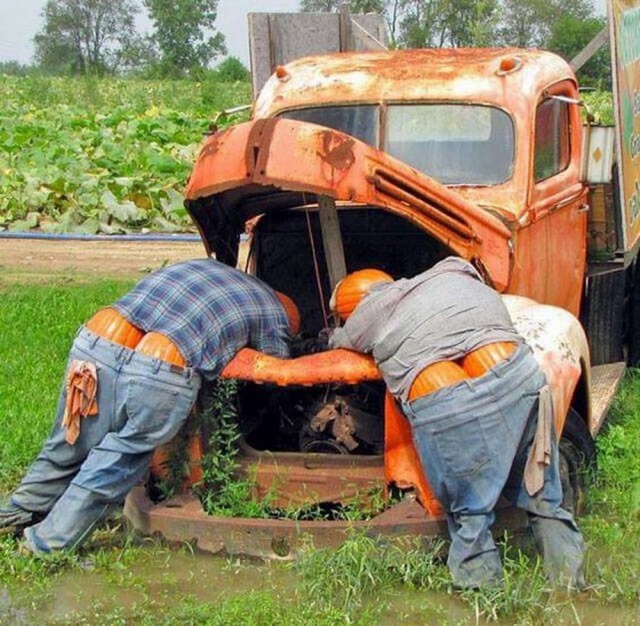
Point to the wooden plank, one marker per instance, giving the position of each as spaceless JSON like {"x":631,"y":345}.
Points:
{"x":278,"y":38}
{"x":590,"y":49}
{"x":259,"y":50}
{"x":366,"y":40}
{"x":295,"y":35}
{"x":332,"y":240}
{"x":346,"y":34}
{"x":605,"y":380}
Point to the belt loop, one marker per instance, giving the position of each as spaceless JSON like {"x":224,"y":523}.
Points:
{"x":124,"y":355}
{"x":157,"y":364}
{"x":93,"y":339}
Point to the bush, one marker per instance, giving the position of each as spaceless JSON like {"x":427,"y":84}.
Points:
{"x":232,"y":70}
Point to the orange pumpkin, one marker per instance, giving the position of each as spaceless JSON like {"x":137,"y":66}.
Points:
{"x":109,"y":324}
{"x":353,"y":287}
{"x":436,"y":376}
{"x":480,"y":361}
{"x":291,"y":310}
{"x":162,"y":456}
{"x":160,"y":347}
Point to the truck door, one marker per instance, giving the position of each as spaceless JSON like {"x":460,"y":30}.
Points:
{"x":559,"y":196}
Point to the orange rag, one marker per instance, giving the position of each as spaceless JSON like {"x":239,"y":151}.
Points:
{"x":82,"y":388}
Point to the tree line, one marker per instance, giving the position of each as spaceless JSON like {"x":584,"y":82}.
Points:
{"x":562,"y":26}
{"x":101,"y":36}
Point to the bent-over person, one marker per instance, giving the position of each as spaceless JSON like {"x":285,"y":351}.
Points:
{"x":133,"y":374}
{"x":473,"y":436}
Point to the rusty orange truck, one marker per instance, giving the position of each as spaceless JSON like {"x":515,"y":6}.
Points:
{"x":395,"y":160}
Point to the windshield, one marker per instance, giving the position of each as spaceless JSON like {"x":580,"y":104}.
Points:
{"x":457,"y":144}
{"x":359,"y":121}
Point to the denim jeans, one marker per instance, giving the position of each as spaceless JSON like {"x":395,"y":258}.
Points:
{"x":142,"y":403}
{"x":473,"y":438}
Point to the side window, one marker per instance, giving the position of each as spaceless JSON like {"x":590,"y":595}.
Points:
{"x":551,"y":139}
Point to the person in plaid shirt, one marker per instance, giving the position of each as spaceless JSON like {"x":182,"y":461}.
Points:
{"x":118,"y":403}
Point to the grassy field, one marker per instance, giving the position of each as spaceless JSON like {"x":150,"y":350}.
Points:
{"x":363,"y":583}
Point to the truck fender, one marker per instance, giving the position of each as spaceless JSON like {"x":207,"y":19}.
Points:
{"x":560,"y":346}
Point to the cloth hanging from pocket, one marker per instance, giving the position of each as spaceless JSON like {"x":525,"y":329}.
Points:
{"x":82,"y":390}
{"x":540,"y":452}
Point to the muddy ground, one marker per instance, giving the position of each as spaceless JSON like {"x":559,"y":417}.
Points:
{"x":43,"y":260}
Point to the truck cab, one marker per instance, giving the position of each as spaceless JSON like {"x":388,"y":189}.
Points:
{"x":499,"y":127}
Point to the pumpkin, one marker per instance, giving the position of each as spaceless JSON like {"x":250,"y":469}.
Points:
{"x":436,"y":376}
{"x":480,"y":361}
{"x":163,"y":456}
{"x":353,"y":287}
{"x":160,"y":347}
{"x":293,"y":314}
{"x":109,"y":324}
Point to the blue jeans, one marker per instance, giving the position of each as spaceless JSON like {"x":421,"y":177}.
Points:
{"x":473,"y":439}
{"x":142,"y":402}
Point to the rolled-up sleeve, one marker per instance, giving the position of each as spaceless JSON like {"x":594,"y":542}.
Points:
{"x":340,"y":339}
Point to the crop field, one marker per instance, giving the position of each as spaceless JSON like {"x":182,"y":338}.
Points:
{"x":102,"y":156}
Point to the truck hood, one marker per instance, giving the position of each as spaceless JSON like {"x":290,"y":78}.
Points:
{"x":277,"y":164}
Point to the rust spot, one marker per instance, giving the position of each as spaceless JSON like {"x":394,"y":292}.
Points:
{"x":211,"y":147}
{"x":337,"y":150}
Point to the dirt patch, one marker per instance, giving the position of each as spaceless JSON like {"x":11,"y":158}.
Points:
{"x":42,"y":259}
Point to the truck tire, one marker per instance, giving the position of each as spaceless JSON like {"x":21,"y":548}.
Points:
{"x":577,"y":459}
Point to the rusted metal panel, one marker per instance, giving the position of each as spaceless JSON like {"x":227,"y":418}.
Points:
{"x":336,"y":165}
{"x":183,"y":519}
{"x":456,"y":75}
{"x":305,"y":479}
{"x":560,"y":346}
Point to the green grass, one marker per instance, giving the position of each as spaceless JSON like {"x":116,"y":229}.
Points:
{"x":613,"y":524}
{"x":37,"y":326}
{"x":364,"y":582}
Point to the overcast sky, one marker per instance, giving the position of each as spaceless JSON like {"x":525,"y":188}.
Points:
{"x":20,"y":20}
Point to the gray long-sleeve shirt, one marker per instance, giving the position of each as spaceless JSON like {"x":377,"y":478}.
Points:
{"x":441,"y":314}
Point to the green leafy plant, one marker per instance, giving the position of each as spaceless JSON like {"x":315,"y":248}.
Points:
{"x":222,"y":492}
{"x":107,"y":156}
{"x":599,"y":106}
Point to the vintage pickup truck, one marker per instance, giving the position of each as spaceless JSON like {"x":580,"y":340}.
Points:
{"x":395,"y":160}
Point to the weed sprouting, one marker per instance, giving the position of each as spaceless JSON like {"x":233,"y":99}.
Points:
{"x":220,"y":492}
{"x":362,"y":564}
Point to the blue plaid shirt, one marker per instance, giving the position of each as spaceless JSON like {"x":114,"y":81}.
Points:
{"x":210,"y":311}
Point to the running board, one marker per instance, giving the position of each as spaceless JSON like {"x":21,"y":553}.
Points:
{"x":605,"y":380}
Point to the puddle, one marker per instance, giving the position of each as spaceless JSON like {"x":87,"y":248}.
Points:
{"x":424,"y":608}
{"x":162,"y":578}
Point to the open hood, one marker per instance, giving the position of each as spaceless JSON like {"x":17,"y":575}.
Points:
{"x":277,"y":164}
